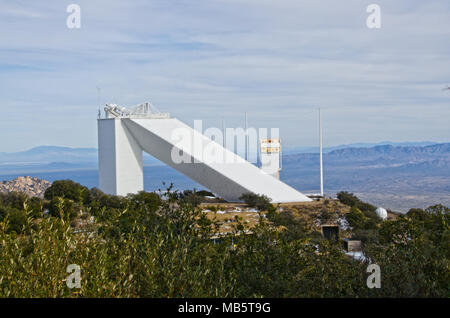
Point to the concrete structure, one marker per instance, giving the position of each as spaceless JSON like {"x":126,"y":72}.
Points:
{"x":352,"y":245}
{"x":120,"y":158}
{"x":330,"y":232}
{"x":124,"y":134}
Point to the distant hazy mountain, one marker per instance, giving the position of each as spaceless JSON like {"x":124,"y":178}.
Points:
{"x":57,"y":157}
{"x":293,"y":150}
{"x":56,"y":154}
{"x":379,"y":155}
{"x":391,"y":175}
{"x":396,"y":177}
{"x":48,"y":154}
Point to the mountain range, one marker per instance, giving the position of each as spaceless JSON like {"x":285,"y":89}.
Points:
{"x":391,"y":175}
{"x":295,"y":150}
{"x":49,"y":154}
{"x":395,"y":177}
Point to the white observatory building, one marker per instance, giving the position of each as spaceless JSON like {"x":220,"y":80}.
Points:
{"x":125,"y":133}
{"x":381,"y":213}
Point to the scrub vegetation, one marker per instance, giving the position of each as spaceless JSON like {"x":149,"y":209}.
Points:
{"x":150,"y":245}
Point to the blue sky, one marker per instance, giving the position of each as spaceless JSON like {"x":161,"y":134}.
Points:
{"x":213,"y":59}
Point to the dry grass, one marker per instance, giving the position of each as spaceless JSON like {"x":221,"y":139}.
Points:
{"x":309,"y":212}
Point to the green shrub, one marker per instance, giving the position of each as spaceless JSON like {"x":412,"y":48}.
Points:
{"x":261,"y":202}
{"x":356,"y":219}
{"x":367,"y":209}
{"x":205,"y":193}
{"x":62,"y":208}
{"x":347,"y":198}
{"x":69,"y":190}
{"x":36,"y":207}
{"x":141,"y":246}
{"x":16,"y":220}
{"x":414,"y":255}
{"x":3,"y":212}
{"x":191,"y":198}
{"x":366,"y":236}
{"x":294,"y":228}
{"x":13,"y":199}
{"x":146,"y":200}
{"x":325,"y":216}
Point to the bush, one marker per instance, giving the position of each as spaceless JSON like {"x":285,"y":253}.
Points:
{"x":261,"y":202}
{"x":13,"y":199}
{"x":352,"y":201}
{"x":36,"y":207}
{"x":325,"y":216}
{"x":347,"y":198}
{"x":16,"y":220}
{"x":69,"y":190}
{"x":147,"y":200}
{"x":414,"y":254}
{"x":142,"y":246}
{"x":294,"y":228}
{"x":96,"y":194}
{"x":418,"y":214}
{"x":366,"y":236}
{"x":191,"y":198}
{"x":205,"y":193}
{"x":3,"y":212}
{"x":356,"y":219}
{"x":62,"y":208}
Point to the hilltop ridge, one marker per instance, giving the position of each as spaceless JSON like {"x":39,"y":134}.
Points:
{"x":31,"y":186}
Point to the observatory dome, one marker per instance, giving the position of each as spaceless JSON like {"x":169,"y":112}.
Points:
{"x":382,"y":213}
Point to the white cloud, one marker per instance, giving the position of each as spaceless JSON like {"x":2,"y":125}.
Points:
{"x":209,"y":59}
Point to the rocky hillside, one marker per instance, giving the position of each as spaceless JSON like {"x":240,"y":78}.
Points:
{"x":33,"y":187}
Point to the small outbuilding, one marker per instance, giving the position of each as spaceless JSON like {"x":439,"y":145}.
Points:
{"x":352,"y":245}
{"x":330,"y":232}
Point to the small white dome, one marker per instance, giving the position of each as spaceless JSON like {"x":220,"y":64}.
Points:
{"x":382,"y":213}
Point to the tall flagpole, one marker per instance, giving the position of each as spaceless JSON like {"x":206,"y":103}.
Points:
{"x":321,"y":160}
{"x":98,"y":101}
{"x":224,"y":139}
{"x":246,"y":137}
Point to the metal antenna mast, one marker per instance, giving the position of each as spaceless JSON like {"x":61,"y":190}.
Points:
{"x":224,"y":137}
{"x":98,"y":101}
{"x":321,"y":159}
{"x":246,"y":137}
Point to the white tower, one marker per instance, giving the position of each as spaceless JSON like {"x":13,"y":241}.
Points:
{"x":119,"y":153}
{"x":120,"y":158}
{"x":270,"y":156}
